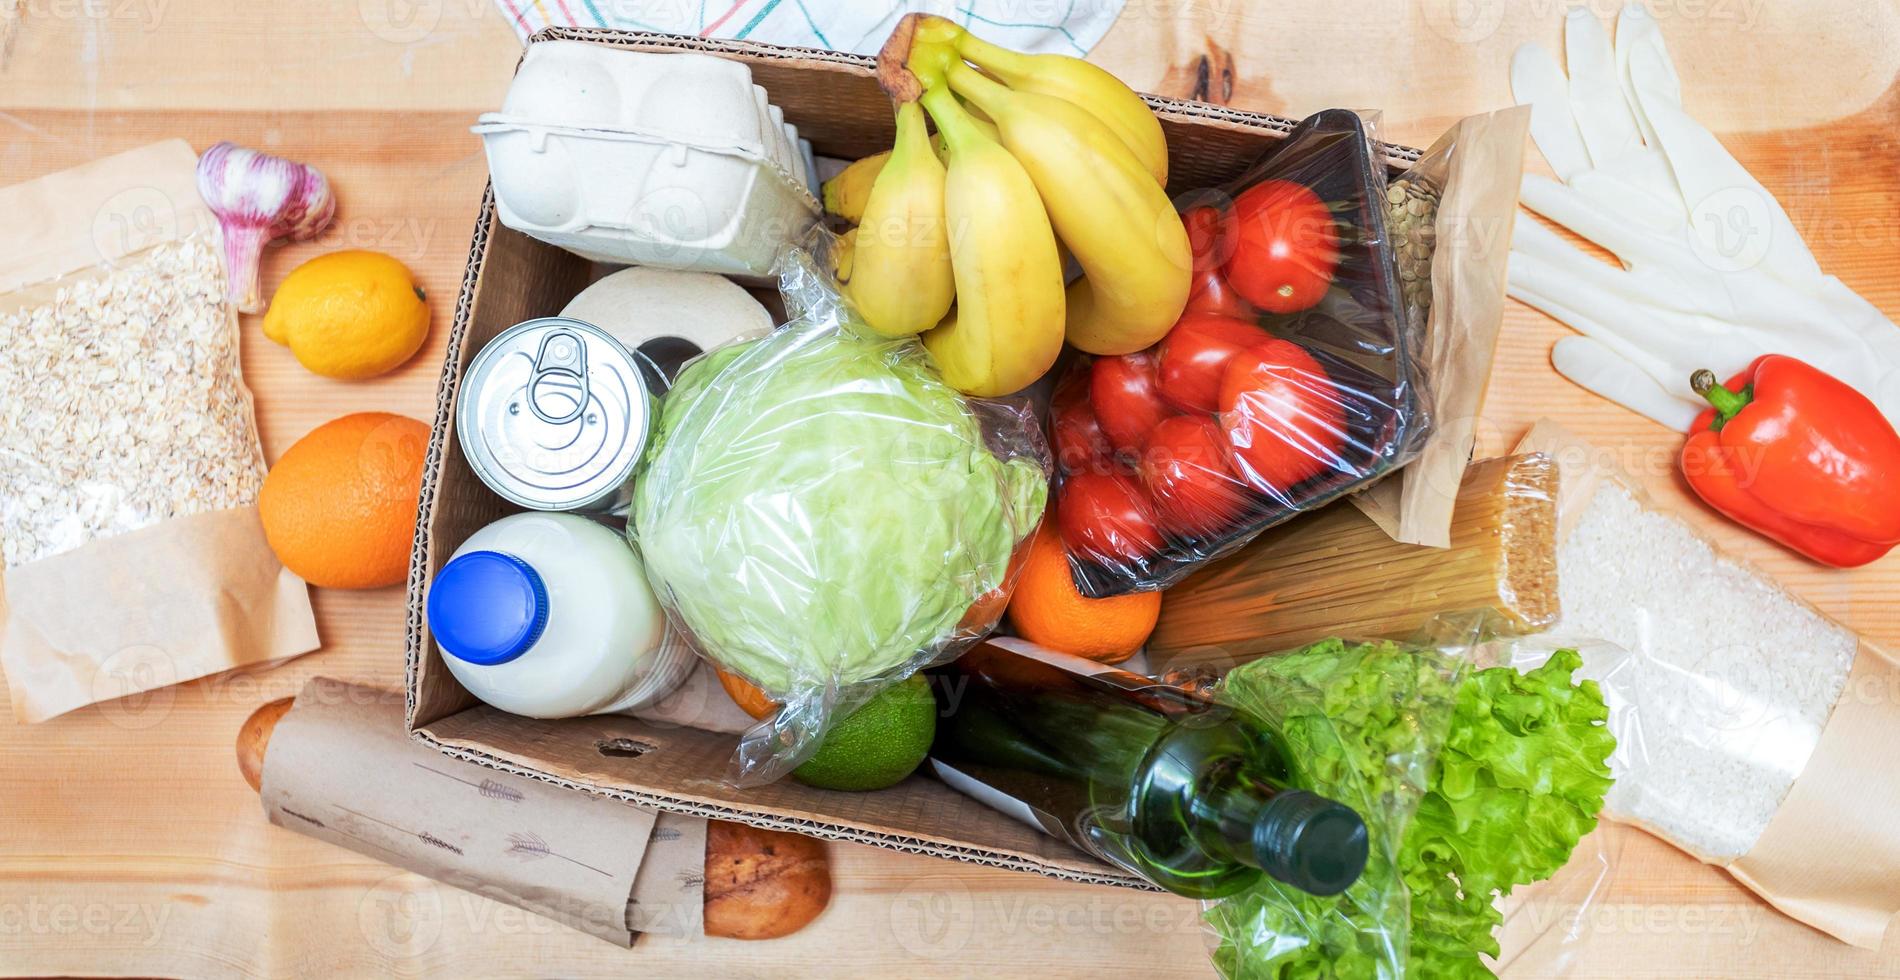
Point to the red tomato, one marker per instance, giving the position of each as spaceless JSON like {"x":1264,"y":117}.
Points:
{"x":1126,"y":397}
{"x":1210,"y":293}
{"x":1186,"y":471}
{"x":1193,"y":355}
{"x":1212,"y":245}
{"x":1286,"y":247}
{"x":1210,"y":238}
{"x":1106,"y":518}
{"x":1282,"y":415}
{"x":1074,"y":434}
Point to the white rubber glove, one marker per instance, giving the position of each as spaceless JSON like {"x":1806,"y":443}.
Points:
{"x":1714,"y":274}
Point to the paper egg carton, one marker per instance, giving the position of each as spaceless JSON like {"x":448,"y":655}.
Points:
{"x":674,"y":160}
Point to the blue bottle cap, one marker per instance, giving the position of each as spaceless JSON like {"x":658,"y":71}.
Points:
{"x":487,"y":607}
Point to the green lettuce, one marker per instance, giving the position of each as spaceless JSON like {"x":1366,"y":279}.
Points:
{"x":1470,"y":787}
{"x":819,"y":508}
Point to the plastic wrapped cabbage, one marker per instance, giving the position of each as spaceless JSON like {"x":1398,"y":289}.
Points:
{"x":820,"y":512}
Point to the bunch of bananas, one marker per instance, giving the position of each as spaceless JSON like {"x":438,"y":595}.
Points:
{"x":961,"y":238}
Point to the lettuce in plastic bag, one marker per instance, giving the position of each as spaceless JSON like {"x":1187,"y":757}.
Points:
{"x":1470,"y":785}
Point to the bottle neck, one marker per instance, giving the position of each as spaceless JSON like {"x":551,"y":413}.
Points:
{"x":1227,"y":808}
{"x":1298,"y":837}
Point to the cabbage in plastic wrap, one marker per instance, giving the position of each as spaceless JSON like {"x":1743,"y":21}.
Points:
{"x":820,"y":511}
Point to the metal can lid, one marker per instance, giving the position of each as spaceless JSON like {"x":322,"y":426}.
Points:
{"x":553,"y":414}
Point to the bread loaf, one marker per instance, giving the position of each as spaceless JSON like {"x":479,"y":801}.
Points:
{"x":760,"y":884}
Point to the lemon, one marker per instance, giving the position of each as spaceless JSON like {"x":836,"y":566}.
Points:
{"x":349,"y":314}
{"x":878,"y":744}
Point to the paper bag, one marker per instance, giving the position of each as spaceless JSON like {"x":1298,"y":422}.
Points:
{"x":1477,"y":165}
{"x":166,"y":603}
{"x":340,"y":767}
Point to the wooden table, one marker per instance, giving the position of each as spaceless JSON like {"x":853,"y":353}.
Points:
{"x":128,"y":843}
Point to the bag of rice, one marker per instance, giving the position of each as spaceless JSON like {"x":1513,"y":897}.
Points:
{"x":1753,"y":729}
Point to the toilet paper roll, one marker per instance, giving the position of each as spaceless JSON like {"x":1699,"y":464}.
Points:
{"x":669,"y":315}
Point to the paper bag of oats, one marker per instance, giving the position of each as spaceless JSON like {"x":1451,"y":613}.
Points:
{"x":1755,"y":732}
{"x":129,"y":455}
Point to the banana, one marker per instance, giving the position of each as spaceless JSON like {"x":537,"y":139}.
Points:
{"x":846,"y":194}
{"x":901,"y":280}
{"x":1119,"y":223}
{"x":1007,"y":327}
{"x":842,"y":255}
{"x":1070,"y":79}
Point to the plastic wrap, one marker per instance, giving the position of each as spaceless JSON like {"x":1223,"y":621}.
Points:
{"x":1337,"y":572}
{"x":1292,"y":379}
{"x":1474,"y":779}
{"x":823,"y":516}
{"x":127,"y":404}
{"x":1732,"y":676}
{"x":1753,"y":728}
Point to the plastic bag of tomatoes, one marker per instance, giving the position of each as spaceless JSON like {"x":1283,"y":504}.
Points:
{"x":1292,"y":378}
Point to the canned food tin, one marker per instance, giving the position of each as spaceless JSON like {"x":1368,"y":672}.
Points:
{"x":553,"y":415}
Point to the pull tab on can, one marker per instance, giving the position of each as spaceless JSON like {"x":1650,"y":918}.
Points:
{"x":553,"y":414}
{"x":560,"y":378}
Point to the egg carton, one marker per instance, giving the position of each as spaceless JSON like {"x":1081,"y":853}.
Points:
{"x":675,"y":160}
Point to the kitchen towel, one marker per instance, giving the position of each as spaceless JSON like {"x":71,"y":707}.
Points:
{"x":858,"y":26}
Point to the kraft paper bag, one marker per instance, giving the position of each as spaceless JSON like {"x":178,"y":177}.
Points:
{"x":1830,"y":854}
{"x":1476,"y":165}
{"x":341,"y":767}
{"x":171,"y":602}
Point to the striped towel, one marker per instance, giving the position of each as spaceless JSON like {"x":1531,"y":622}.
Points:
{"x":1063,"y":26}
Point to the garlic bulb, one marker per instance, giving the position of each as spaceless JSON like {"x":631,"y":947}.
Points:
{"x":259,"y":198}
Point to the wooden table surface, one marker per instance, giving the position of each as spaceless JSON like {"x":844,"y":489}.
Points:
{"x":128,"y":842}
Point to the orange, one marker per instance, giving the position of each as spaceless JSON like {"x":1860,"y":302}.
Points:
{"x":749,"y":698}
{"x":339,"y":508}
{"x":983,"y":614}
{"x":1049,"y":611}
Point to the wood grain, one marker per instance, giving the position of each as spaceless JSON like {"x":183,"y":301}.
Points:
{"x":131,"y":843}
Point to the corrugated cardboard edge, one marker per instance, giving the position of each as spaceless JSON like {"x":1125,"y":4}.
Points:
{"x":1238,"y":120}
{"x":1197,"y":112}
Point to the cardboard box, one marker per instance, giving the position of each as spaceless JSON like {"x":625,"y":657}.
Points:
{"x":835,"y":102}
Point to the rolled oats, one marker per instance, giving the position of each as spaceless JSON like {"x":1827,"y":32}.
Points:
{"x":123,"y":405}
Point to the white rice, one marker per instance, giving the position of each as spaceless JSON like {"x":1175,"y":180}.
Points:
{"x":1727,"y":683}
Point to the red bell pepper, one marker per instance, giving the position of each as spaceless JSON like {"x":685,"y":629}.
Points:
{"x":1800,"y":457}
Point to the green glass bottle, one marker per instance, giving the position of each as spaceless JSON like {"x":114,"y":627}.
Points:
{"x":1172,"y":786}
